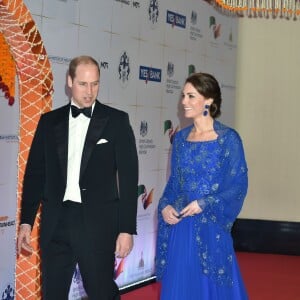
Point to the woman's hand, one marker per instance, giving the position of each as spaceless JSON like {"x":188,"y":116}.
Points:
{"x":170,"y":215}
{"x":191,"y":209}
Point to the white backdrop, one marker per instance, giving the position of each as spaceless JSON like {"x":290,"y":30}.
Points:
{"x":146,"y":49}
{"x":8,"y":193}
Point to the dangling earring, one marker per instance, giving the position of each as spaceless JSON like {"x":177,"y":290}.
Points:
{"x":205,"y":112}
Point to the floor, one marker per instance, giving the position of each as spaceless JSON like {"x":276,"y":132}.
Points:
{"x":266,"y":276}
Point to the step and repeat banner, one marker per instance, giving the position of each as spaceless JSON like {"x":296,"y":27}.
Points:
{"x":146,"y":49}
{"x":9,"y":115}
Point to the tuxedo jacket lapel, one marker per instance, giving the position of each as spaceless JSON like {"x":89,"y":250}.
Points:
{"x":95,"y":130}
{"x":61,"y":132}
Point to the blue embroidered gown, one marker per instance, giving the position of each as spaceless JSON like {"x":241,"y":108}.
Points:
{"x":195,"y":259}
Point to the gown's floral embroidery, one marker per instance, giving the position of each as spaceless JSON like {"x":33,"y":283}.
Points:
{"x":215,"y":174}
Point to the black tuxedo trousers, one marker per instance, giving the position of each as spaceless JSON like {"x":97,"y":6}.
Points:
{"x":68,"y":247}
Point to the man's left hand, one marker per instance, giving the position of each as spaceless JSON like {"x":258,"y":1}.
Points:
{"x":124,"y":244}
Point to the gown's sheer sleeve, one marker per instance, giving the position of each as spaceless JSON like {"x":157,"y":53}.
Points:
{"x":168,"y":198}
{"x":223,"y":205}
{"x":171,"y":189}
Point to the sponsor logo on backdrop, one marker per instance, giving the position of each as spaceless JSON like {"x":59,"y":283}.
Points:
{"x":127,"y":2}
{"x":6,"y":222}
{"x":168,"y":128}
{"x":145,"y":144}
{"x":172,"y":84}
{"x":124,"y":69}
{"x":77,"y":290}
{"x":227,"y":86}
{"x":103,"y":65}
{"x":77,"y":276}
{"x":230,"y":44}
{"x":8,"y":293}
{"x":170,"y":69}
{"x":143,"y":128}
{"x":214,"y":27}
{"x":9,"y":138}
{"x":135,"y":4}
{"x":119,"y":267}
{"x":141,"y":264}
{"x":191,"y":69}
{"x":195,"y":32}
{"x":194,"y":17}
{"x":149,"y":74}
{"x":143,"y":270}
{"x":66,"y":61}
{"x":59,"y":59}
{"x":175,"y":19}
{"x":145,"y":197}
{"x":153,"y":11}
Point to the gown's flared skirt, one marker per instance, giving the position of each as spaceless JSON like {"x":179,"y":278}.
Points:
{"x":183,"y":278}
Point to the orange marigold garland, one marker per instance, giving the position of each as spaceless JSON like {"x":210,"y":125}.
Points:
{"x":260,"y":8}
{"x":7,"y":71}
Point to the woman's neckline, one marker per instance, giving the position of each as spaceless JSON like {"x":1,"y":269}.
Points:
{"x":204,"y":136}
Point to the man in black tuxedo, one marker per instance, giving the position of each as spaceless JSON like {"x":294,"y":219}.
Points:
{"x":83,"y":170}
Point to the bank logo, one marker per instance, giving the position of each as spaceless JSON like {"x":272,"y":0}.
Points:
{"x":8,"y":293}
{"x":170,"y":69}
{"x":124,"y":69}
{"x":150,"y":74}
{"x":143,"y":128}
{"x":145,"y":197}
{"x":216,"y":28}
{"x":193,"y":18}
{"x":176,"y":19}
{"x":153,"y":11}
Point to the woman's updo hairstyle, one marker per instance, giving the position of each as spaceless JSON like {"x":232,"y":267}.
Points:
{"x":208,"y":87}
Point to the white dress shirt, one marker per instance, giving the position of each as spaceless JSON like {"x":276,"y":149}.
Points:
{"x":77,"y":132}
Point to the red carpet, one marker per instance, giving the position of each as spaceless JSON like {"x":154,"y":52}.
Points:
{"x":267,"y":277}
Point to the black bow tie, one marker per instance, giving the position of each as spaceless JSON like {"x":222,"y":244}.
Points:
{"x":87,"y":111}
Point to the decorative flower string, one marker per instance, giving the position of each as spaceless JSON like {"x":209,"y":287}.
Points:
{"x":260,"y":8}
{"x":7,"y":71}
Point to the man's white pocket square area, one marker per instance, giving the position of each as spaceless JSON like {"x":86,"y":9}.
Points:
{"x":102,"y":141}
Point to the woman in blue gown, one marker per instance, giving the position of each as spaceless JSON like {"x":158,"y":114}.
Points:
{"x":195,"y":259}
